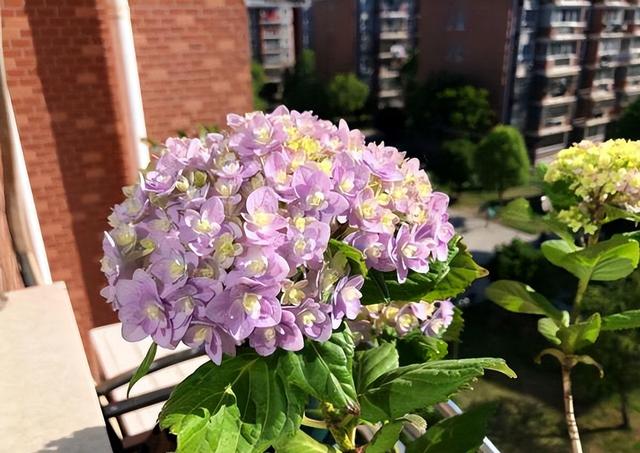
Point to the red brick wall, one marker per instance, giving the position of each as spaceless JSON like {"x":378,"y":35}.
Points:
{"x":194,"y":67}
{"x":60,"y":83}
{"x":193,"y":61}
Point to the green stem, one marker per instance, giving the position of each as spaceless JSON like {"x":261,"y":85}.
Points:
{"x":582,"y":288}
{"x":311,"y":423}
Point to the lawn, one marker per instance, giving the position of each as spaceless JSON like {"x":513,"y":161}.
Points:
{"x":529,"y":415}
{"x":477,"y":199}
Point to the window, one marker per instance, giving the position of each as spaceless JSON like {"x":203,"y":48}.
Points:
{"x":633,"y":71}
{"x":555,"y":116}
{"x":526,"y":53}
{"x":529,"y":18}
{"x":613,"y":17}
{"x":604,"y":73}
{"x":610,"y":46}
{"x":456,"y":21}
{"x":566,"y":15}
{"x":559,"y":87}
{"x":595,"y":131}
{"x":562,"y":49}
{"x":454,"y":53}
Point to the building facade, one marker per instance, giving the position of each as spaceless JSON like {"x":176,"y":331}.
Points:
{"x":564,"y":69}
{"x":370,"y":38}
{"x":193,"y":65}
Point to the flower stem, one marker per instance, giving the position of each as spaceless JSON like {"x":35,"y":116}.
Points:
{"x":569,"y":414}
{"x":580,"y":291}
{"x":311,"y":423}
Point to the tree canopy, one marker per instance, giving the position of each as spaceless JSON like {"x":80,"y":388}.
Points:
{"x":628,"y":126}
{"x":501,"y":159}
{"x":347,"y":94}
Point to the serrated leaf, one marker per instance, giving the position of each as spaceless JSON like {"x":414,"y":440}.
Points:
{"x":302,"y":442}
{"x":143,"y":369}
{"x":324,"y":370}
{"x":548,"y":328}
{"x":241,"y":406}
{"x":416,"y":347}
{"x":427,"y":384}
{"x":444,"y":279}
{"x":629,"y":319}
{"x":606,"y":261}
{"x":458,"y":434}
{"x":385,"y":438}
{"x":520,"y":298}
{"x":370,"y":364}
{"x":581,"y":334}
{"x":454,"y":331}
{"x":354,"y":256}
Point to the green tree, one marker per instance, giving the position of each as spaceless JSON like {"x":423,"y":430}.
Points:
{"x":501,"y":160}
{"x":347,"y":94}
{"x":303,"y":90}
{"x":628,"y":125}
{"x":448,"y":106}
{"x":258,"y":79}
{"x":458,"y":161}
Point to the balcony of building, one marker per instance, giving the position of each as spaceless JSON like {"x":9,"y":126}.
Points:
{"x":544,"y":147}
{"x":554,"y":90}
{"x":563,"y":20}
{"x":558,"y":57}
{"x":551,"y":120}
{"x":608,"y":20}
{"x":275,"y":16}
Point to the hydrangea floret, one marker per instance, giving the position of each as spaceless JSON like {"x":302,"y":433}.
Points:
{"x":226,"y":241}
{"x":599,"y":175}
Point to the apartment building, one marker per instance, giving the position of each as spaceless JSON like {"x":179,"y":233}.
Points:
{"x":371,"y":38}
{"x":567,"y":67}
{"x":277,"y":31}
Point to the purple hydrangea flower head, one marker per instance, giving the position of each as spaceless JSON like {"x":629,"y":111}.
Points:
{"x":313,"y":319}
{"x":225,"y":241}
{"x":215,"y":339}
{"x":141,"y":310}
{"x":285,"y":335}
{"x":263,"y":220}
{"x":346,"y":299}
{"x":440,"y":319}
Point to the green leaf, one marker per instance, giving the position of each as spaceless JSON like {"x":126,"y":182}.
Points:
{"x":370,"y":364}
{"x":625,"y":320}
{"x":614,"y":213}
{"x":463,"y":271}
{"x":553,"y":352}
{"x":324,"y":370}
{"x":548,"y":328}
{"x":520,"y":298}
{"x":417,"y":348}
{"x":454,"y":331}
{"x":588,"y":360}
{"x":556,"y":250}
{"x":459,"y":434}
{"x":385,"y":438}
{"x":444,"y":279}
{"x":354,"y":256}
{"x":241,"y":405}
{"x":606,"y":261}
{"x":143,"y":369}
{"x":518,"y":214}
{"x":302,"y":442}
{"x":580,"y":334}
{"x":406,"y":389}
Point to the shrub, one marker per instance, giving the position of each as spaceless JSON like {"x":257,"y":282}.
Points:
{"x":347,"y":94}
{"x":501,"y":160}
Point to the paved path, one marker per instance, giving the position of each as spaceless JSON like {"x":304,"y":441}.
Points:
{"x":483,"y":237}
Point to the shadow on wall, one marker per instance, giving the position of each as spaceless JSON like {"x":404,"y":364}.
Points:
{"x":83,"y":441}
{"x":73,"y":70}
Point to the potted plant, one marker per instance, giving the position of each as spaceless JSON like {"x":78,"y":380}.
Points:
{"x":309,"y":266}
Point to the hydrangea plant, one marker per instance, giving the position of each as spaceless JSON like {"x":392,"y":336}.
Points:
{"x":587,"y":186}
{"x":297,"y":257}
